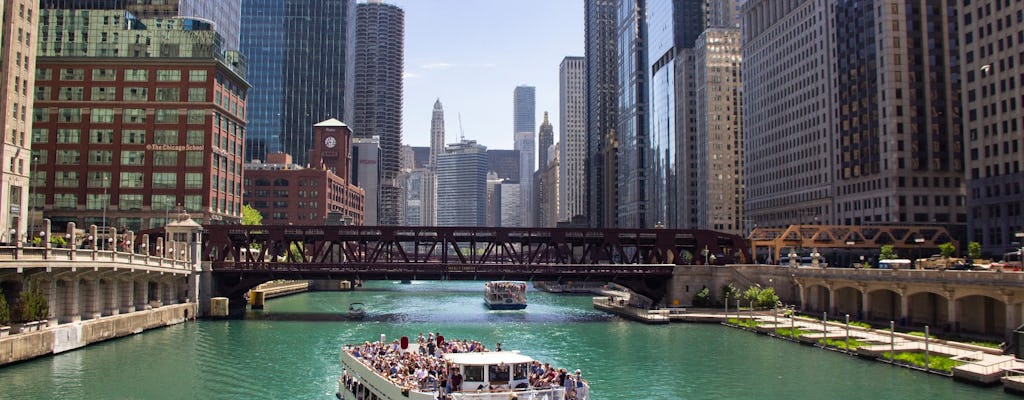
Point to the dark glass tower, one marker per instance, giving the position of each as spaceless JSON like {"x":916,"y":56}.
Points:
{"x":601,"y":89}
{"x":301,"y":64}
{"x":380,"y":56}
{"x":632,"y":125}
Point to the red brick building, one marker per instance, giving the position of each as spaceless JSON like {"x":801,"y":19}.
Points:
{"x":285,"y":193}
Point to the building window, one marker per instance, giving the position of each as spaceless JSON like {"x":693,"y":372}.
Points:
{"x":196,"y":116}
{"x":197,"y":75}
{"x":70,"y":115}
{"x":131,"y":157}
{"x":129,"y":202}
{"x":100,"y":157}
{"x":68,"y":157}
{"x":101,"y":136}
{"x":136,"y":75}
{"x":68,"y":135}
{"x":102,"y":115}
{"x":136,"y":94}
{"x":65,"y":201}
{"x":133,"y":136}
{"x":44,"y":74}
{"x":166,"y":116}
{"x":165,"y":158}
{"x":40,"y":135}
{"x":72,"y":93}
{"x":131,"y":180}
{"x":133,"y":115}
{"x":168,"y":75}
{"x":165,"y":180}
{"x":163,"y":202}
{"x":99,"y":180}
{"x":72,"y":74}
{"x":168,"y":94}
{"x":40,"y":115}
{"x":165,"y":136}
{"x":193,"y":202}
{"x":104,"y":74}
{"x":194,"y":137}
{"x":193,"y":159}
{"x":97,"y":201}
{"x":104,"y":94}
{"x":42,"y":93}
{"x":197,"y":94}
{"x":193,"y":180}
{"x":66,"y":179}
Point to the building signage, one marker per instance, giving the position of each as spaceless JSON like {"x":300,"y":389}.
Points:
{"x":175,"y":147}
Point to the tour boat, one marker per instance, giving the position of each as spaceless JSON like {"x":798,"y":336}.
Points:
{"x":505,"y":295}
{"x":382,"y":370}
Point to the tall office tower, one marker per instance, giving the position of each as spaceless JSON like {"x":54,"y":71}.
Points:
{"x":365,"y":171}
{"x":896,"y":126}
{"x":416,"y":189}
{"x":788,"y":127}
{"x":226,"y":15}
{"x":602,"y":109}
{"x":572,"y":139}
{"x":380,"y":55}
{"x":436,"y":133}
{"x":126,"y":130}
{"x":493,"y":208}
{"x":436,"y":149}
{"x":17,"y":78}
{"x":687,"y":162}
{"x":524,"y":122}
{"x":545,"y":138}
{"x":507,"y":200}
{"x":462,"y":185}
{"x":547,"y":190}
{"x":673,"y":26}
{"x":995,"y":142}
{"x":719,"y":133}
{"x":301,"y":65}
{"x":632,"y":124}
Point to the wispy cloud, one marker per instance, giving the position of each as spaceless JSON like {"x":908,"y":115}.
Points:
{"x":409,"y":75}
{"x":485,"y":65}
{"x":438,"y":65}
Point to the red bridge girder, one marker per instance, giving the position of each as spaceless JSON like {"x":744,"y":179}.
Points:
{"x":443,"y":251}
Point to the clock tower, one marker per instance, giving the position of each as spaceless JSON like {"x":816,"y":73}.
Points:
{"x":332,"y":148}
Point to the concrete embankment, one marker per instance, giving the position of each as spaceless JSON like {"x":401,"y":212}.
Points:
{"x":70,"y":336}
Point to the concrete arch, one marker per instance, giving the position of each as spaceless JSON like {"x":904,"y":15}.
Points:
{"x":884,"y":305}
{"x":817,"y":298}
{"x":927,"y":308}
{"x":982,"y":315}
{"x":848,"y":300}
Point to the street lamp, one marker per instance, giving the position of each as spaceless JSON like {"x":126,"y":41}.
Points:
{"x":1020,"y":252}
{"x":106,"y":201}
{"x":850,"y":243}
{"x":917,"y":245}
{"x":31,"y":186}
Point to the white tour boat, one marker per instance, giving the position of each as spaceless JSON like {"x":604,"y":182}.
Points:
{"x":505,"y":295}
{"x":402,"y":370}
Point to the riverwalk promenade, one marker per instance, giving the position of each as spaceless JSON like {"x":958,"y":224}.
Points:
{"x":971,"y":363}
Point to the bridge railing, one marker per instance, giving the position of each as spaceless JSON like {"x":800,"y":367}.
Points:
{"x":29,"y":256}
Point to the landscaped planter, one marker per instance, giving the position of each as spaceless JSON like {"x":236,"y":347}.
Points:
{"x":5,"y":331}
{"x":31,"y":326}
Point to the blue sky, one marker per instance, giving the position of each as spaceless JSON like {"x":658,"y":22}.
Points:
{"x":472,"y":55}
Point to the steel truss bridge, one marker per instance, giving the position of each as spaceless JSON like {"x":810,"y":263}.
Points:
{"x":242,"y":256}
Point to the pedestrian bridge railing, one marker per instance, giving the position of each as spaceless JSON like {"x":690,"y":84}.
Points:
{"x":33,"y":257}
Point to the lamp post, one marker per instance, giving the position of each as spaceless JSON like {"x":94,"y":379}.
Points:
{"x":850,"y":243}
{"x":1020,"y":242}
{"x":917,"y":242}
{"x":31,"y":186}
{"x":106,"y":202}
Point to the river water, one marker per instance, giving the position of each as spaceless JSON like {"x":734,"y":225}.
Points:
{"x":290,"y":351}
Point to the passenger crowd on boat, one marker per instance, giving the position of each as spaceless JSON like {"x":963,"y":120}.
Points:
{"x":426,"y":369}
{"x":513,"y":290}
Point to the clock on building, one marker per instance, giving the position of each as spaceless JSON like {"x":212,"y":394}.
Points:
{"x":330,"y":142}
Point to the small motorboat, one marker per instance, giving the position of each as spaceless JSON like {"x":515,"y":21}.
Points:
{"x":356,"y":311}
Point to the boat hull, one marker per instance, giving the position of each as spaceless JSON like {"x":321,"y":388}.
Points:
{"x":505,"y":306}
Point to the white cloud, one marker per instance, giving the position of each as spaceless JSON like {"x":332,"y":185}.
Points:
{"x":409,"y":75}
{"x":438,"y":65}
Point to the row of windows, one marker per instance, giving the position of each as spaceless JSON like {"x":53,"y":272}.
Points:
{"x":109,"y":93}
{"x":130,"y":75}
{"x":108,"y":136}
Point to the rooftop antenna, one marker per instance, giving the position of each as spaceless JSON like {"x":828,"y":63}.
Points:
{"x":462,"y":134}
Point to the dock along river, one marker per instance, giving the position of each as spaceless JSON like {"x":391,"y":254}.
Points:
{"x":290,"y":350}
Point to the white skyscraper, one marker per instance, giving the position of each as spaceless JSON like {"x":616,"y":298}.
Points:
{"x":572,"y":139}
{"x":429,"y":201}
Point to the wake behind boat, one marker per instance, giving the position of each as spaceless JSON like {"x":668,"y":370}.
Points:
{"x":505,"y":295}
{"x":435,"y":368}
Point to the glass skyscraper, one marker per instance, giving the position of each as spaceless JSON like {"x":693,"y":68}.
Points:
{"x":601,"y":92}
{"x":524,"y":121}
{"x":301,"y":65}
{"x":632,"y":121}
{"x":462,"y":185}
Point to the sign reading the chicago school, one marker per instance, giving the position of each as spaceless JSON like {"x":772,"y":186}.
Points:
{"x":175,"y":147}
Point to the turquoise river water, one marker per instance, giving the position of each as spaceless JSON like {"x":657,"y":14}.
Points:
{"x":290,"y":351}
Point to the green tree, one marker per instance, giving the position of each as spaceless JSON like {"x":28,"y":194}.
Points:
{"x":750,"y":295}
{"x":5,"y":311}
{"x":947,"y":249}
{"x":729,"y":292}
{"x":974,"y":250}
{"x":251,"y":216}
{"x":767,"y":298}
{"x":888,"y":252}
{"x":703,"y":298}
{"x":33,"y":306}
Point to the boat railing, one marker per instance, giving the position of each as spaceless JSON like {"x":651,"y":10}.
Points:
{"x":553,"y":393}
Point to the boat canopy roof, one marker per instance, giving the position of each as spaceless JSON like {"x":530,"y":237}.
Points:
{"x":488,"y":358}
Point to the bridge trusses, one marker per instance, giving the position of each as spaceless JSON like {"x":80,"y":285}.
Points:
{"x":848,"y":237}
{"x":243,"y":247}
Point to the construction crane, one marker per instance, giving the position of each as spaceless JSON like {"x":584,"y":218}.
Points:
{"x":462,"y":134}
